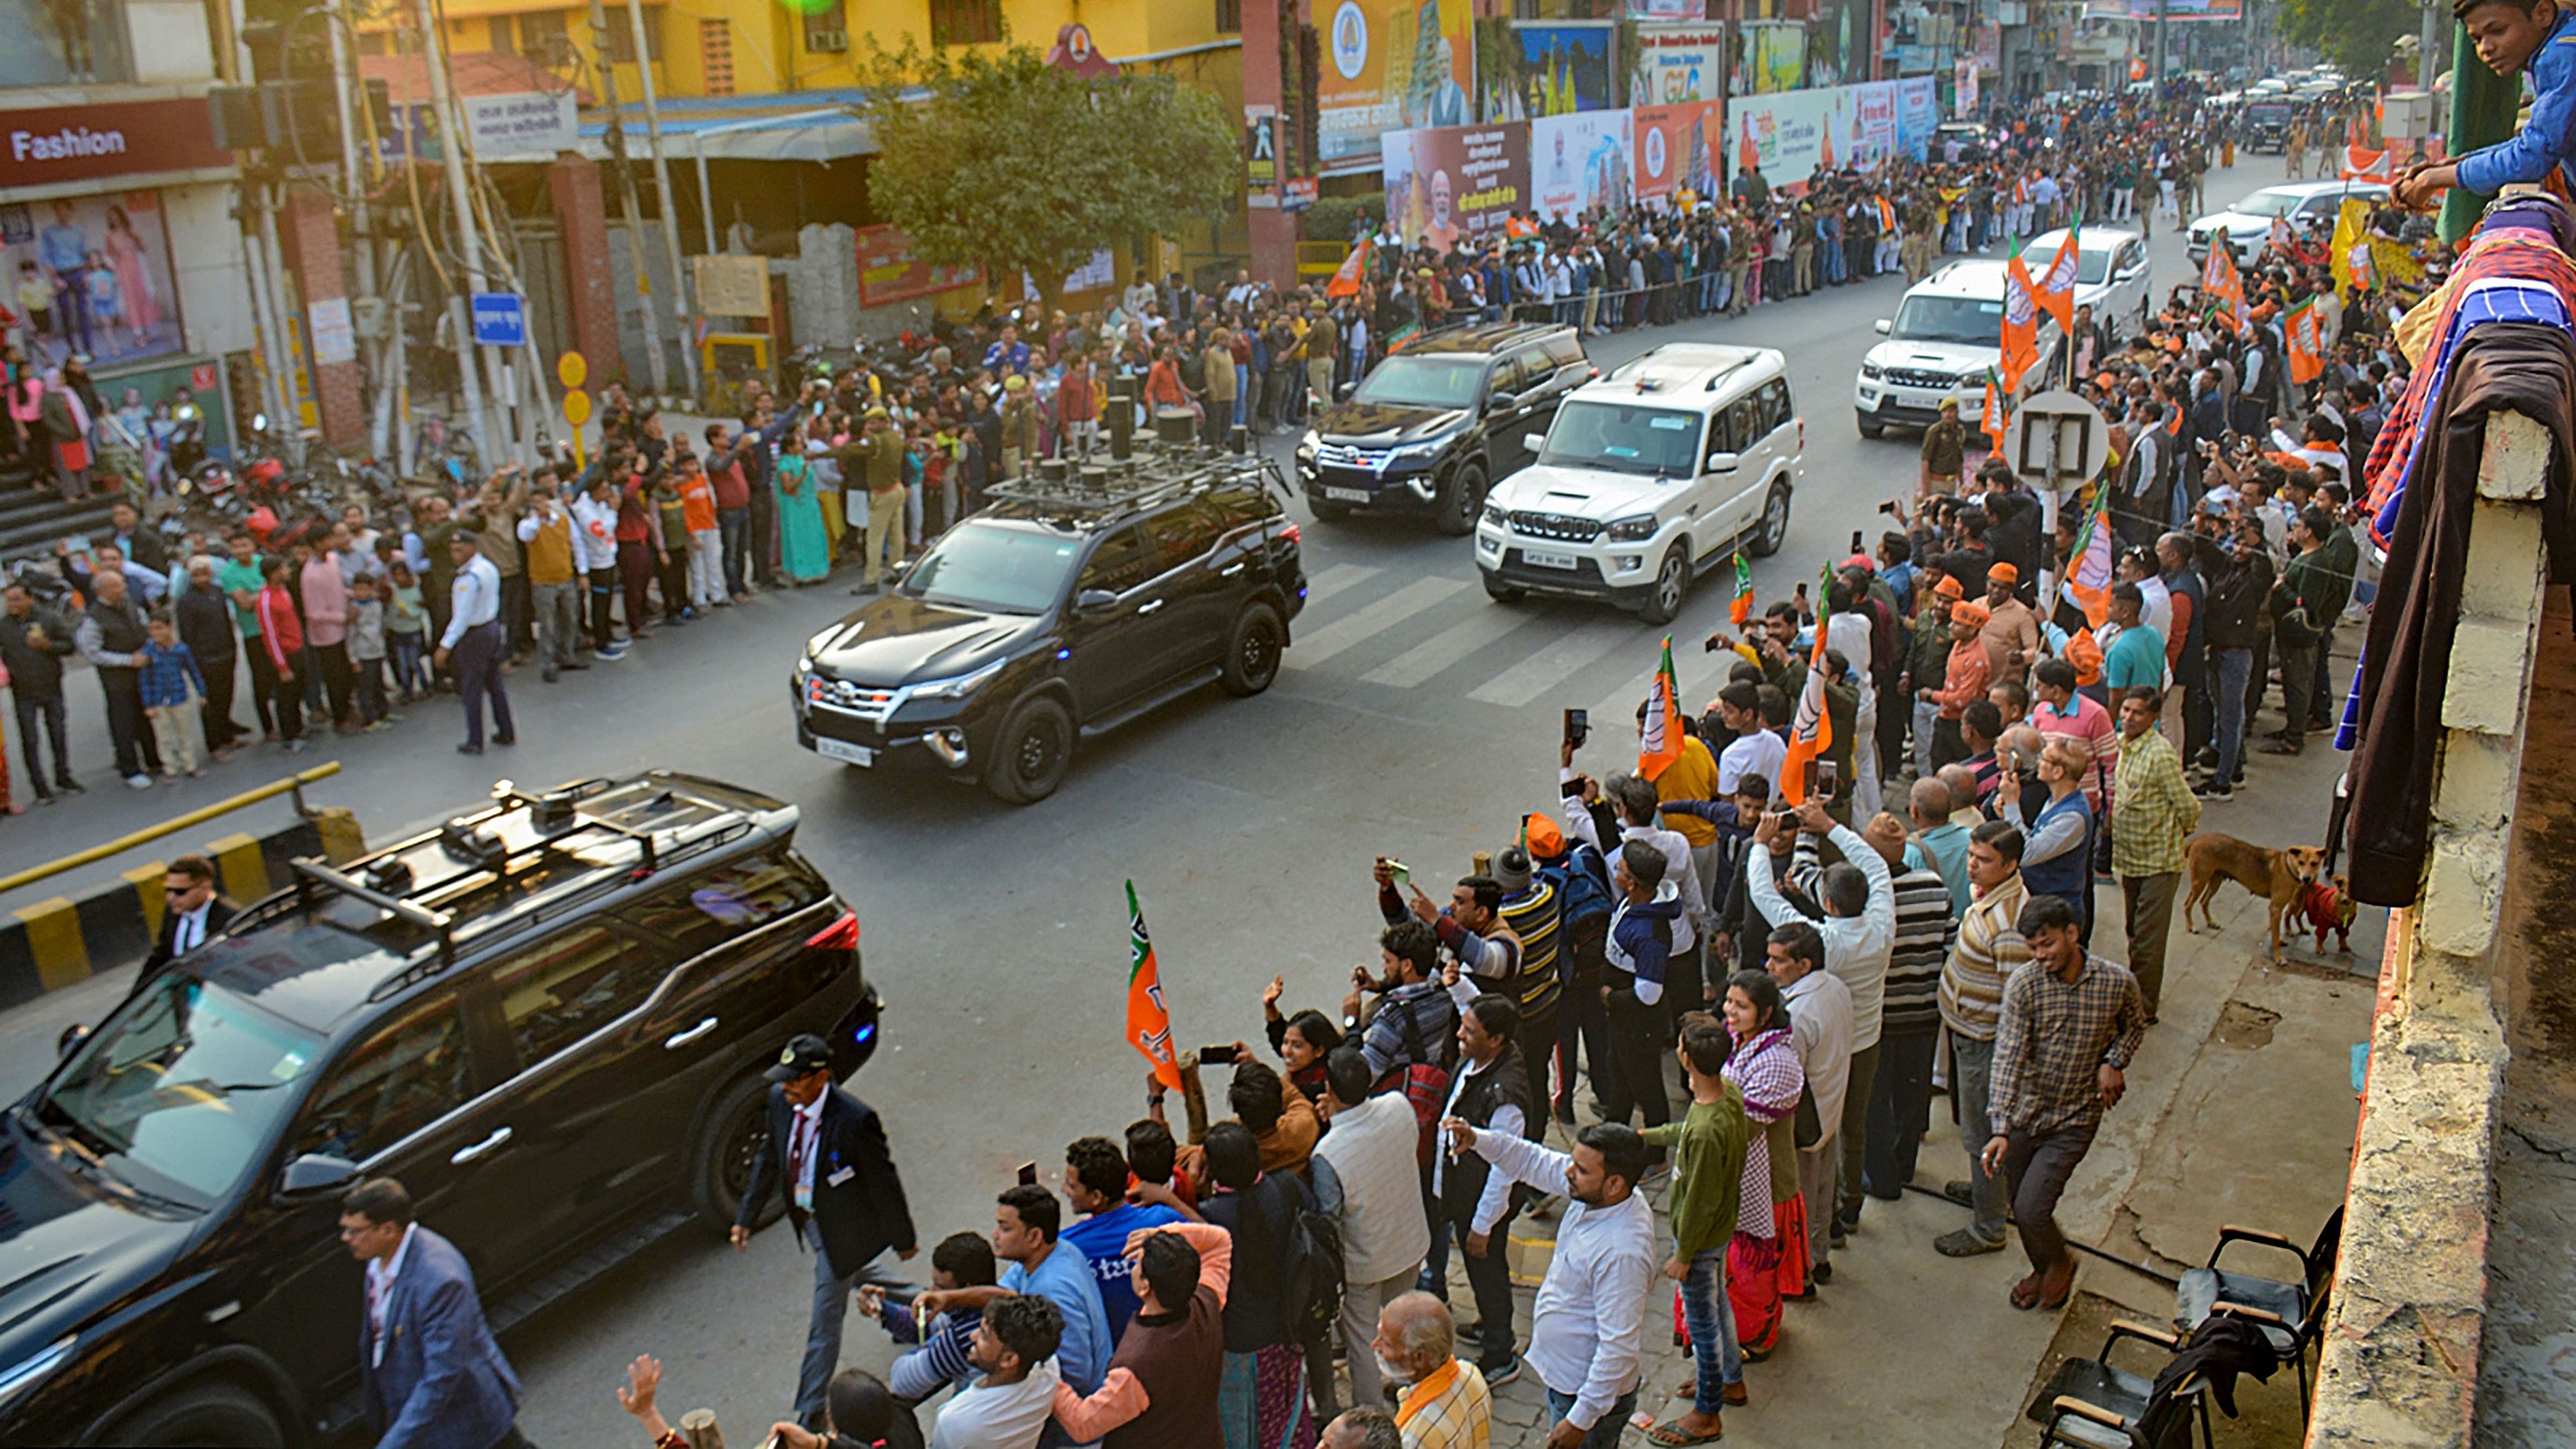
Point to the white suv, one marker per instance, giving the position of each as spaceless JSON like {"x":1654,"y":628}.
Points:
{"x":1947,"y":333}
{"x":1647,"y":478}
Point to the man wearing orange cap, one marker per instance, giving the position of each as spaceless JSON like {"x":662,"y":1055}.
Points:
{"x":1927,"y":658}
{"x":2012,"y":632}
{"x":1968,"y":669}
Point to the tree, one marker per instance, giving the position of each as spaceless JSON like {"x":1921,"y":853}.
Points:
{"x":1005,"y":162}
{"x":2355,"y":34}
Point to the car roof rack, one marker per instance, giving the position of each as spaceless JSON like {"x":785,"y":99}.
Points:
{"x":1149,"y":477}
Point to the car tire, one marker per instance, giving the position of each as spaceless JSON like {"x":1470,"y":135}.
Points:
{"x":1773,"y":530}
{"x":1252,"y":653}
{"x":1460,"y":500}
{"x":1328,"y":512}
{"x":1671,"y":586}
{"x":1032,"y":753}
{"x":1503,"y":593}
{"x":211,"y":1413}
{"x":730,"y":1141}
{"x":1871,"y":427}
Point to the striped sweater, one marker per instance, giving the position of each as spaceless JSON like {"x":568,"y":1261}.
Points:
{"x":1988,"y":948}
{"x":1924,"y":931}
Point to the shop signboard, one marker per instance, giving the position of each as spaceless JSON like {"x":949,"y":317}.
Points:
{"x":889,"y":272}
{"x":49,"y":145}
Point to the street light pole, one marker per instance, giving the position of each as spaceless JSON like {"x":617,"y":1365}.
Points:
{"x":625,"y":170}
{"x":662,"y":181}
{"x":460,"y":199}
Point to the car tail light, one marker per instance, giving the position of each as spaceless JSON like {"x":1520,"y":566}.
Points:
{"x":841,"y":935}
{"x":1802,"y":435}
{"x":1292,"y":534}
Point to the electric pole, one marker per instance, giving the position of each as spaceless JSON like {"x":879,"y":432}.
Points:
{"x":662,"y":183}
{"x":624,"y":171}
{"x":460,"y":198}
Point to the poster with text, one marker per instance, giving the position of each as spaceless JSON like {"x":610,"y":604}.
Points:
{"x":1677,"y":151}
{"x":1547,"y":68}
{"x":1677,"y":63}
{"x":1666,"y":9}
{"x":1451,"y":184}
{"x":1581,"y":163}
{"x":1771,"y":57}
{"x":1918,"y":114}
{"x":1789,"y":138}
{"x":92,"y":275}
{"x":1390,"y":65}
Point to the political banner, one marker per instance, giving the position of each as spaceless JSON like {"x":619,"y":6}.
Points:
{"x":1918,"y":114}
{"x":1838,"y":42}
{"x":1790,"y":137}
{"x":1677,"y":148}
{"x":1581,"y":163}
{"x":1451,"y":184}
{"x":1677,"y":63}
{"x":1771,"y":57}
{"x":1546,"y":68}
{"x":1390,"y":65}
{"x":1965,"y":87}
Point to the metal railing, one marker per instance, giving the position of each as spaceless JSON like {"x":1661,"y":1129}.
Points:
{"x":291,"y":785}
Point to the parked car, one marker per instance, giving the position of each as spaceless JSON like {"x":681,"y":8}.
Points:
{"x":548,"y":1018}
{"x":1650,"y":477}
{"x":1431,"y":427}
{"x":1083,"y":598}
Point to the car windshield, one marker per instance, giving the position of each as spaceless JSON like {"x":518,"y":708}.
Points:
{"x":1969,"y":320}
{"x":178,"y":1090}
{"x":1625,"y":437}
{"x":2092,"y":264}
{"x":986,"y":566}
{"x":2267,"y":203}
{"x":1423,"y":382}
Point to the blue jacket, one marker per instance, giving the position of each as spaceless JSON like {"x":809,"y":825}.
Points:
{"x":443,"y":1383}
{"x":2546,"y":143}
{"x":1641,"y":942}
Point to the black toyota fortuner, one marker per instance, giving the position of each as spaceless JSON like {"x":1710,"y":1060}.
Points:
{"x":548,"y":1018}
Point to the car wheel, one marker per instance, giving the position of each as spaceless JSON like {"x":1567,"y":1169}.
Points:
{"x":1871,"y":427}
{"x":1774,"y":530}
{"x":1329,"y":512}
{"x":218,"y":1415}
{"x":1461,"y":499}
{"x":1503,"y":593}
{"x":1032,"y":753}
{"x":1252,"y":656}
{"x":735,"y":1133}
{"x":1672,"y":585}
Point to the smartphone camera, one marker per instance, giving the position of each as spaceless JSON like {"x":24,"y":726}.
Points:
{"x":1028,"y":1174}
{"x":1221,"y":1055}
{"x":1578,"y":727}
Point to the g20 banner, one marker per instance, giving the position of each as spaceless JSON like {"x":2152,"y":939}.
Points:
{"x":1677,"y":151}
{"x":1677,"y":63}
{"x":1389,"y":65}
{"x":1452,"y":184}
{"x":1581,"y":163}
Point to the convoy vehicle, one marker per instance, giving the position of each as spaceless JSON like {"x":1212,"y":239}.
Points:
{"x":2267,"y":118}
{"x":1083,"y":597}
{"x":1947,"y":335}
{"x":1650,"y":477}
{"x":2307,"y":204}
{"x":1431,"y":426}
{"x":547,"y":1018}
{"x":2112,"y":274}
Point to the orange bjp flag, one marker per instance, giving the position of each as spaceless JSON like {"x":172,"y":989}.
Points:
{"x":1346,"y":277}
{"x":1662,"y":742}
{"x":1811,"y":734}
{"x":2020,"y":344}
{"x":1149,"y":1023}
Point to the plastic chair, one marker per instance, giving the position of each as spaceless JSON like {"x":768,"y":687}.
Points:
{"x":2292,"y":1313}
{"x":2092,"y":1404}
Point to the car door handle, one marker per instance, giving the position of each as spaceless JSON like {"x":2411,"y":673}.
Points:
{"x":692,"y":1034}
{"x":1230,"y":570}
{"x":482,"y":1149}
{"x":1149,"y":608}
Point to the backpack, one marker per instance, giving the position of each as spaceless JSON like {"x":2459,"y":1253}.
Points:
{"x":1581,"y":880}
{"x":1425,"y":1085}
{"x":1314,"y":1275}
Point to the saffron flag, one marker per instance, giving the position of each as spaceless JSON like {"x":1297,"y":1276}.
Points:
{"x":2089,"y":578}
{"x":2054,"y":292}
{"x":1811,"y":734}
{"x":1149,"y":1023}
{"x":2279,"y":235}
{"x":2305,"y":343}
{"x":1995,"y":417}
{"x":2021,"y":320}
{"x":1742,"y":608}
{"x":1346,"y":277}
{"x":2222,"y":291}
{"x":1662,"y":741}
{"x":2365,"y":165}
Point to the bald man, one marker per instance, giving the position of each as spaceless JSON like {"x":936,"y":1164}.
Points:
{"x":1900,"y":1100}
{"x":1362,"y":1429}
{"x":1442,"y":1402}
{"x":1942,"y":840}
{"x":1961,"y":782}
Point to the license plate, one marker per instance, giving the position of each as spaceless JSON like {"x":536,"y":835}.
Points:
{"x":1347,"y":495}
{"x":1538,"y":560}
{"x":844,"y":751}
{"x":1919,"y":399}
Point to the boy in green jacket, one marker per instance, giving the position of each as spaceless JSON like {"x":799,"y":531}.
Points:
{"x":1708,"y":1181}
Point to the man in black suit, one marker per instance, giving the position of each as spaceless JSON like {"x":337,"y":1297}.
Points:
{"x":193,"y":913}
{"x":827,"y":1152}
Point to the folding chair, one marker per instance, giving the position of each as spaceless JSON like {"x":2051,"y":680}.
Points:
{"x":2292,"y":1313}
{"x":2091,"y":1404}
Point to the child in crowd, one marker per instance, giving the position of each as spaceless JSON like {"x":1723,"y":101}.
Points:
{"x":406,"y":619}
{"x":173,"y":693}
{"x":2512,"y":37}
{"x":367,"y":652}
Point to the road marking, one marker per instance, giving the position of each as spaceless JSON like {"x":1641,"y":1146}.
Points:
{"x":1335,"y":579}
{"x":1549,"y":667}
{"x":1446,"y":648}
{"x":1371,"y":620}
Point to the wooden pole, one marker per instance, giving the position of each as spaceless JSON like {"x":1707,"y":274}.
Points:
{"x":699,"y":1426}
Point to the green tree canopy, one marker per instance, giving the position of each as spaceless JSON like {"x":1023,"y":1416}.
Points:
{"x":2355,"y":34}
{"x":1003,"y":161}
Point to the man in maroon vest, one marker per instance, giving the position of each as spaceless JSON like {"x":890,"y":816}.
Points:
{"x":1161,"y":1390}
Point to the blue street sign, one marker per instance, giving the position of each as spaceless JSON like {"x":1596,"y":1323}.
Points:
{"x":500,"y":319}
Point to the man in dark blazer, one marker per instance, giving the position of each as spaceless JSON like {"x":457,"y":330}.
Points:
{"x":827,"y":1153}
{"x":191,"y":915}
{"x":433,"y":1377}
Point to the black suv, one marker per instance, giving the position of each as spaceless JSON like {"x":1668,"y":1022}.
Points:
{"x":548,"y":1018}
{"x":1086,"y":596}
{"x":1433,"y":425}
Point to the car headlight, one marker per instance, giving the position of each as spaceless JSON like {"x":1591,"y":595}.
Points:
{"x":960,"y":686}
{"x":1417,"y":450}
{"x":1872,"y":371}
{"x":1310,"y":442}
{"x":1495,"y":515}
{"x":1630,"y":530}
{"x":28,"y":1372}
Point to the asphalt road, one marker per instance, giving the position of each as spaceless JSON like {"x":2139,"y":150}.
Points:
{"x":1415,"y":718}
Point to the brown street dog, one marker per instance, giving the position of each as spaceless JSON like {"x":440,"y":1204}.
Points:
{"x":2280,"y":877}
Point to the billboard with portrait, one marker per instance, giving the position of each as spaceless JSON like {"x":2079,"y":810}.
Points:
{"x":1838,"y":42}
{"x":1677,"y":151}
{"x":1677,"y":63}
{"x":1581,"y":163}
{"x":1451,"y":184}
{"x":1389,"y":65}
{"x":1547,"y":68}
{"x":100,"y":268}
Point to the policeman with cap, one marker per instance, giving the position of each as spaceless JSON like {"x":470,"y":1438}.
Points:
{"x":827,"y":1152}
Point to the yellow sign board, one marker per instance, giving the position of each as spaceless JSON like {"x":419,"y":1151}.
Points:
{"x":572,"y":368}
{"x":576,"y":403}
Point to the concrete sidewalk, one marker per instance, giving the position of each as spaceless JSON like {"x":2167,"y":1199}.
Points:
{"x":2240,"y":1109}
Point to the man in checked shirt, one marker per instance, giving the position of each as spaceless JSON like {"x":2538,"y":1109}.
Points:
{"x":2070,"y":1022}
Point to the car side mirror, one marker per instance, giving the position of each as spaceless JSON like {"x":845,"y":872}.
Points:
{"x":1093,"y":601}
{"x":1883,"y":325}
{"x":1534,"y":441}
{"x":314,"y":1173}
{"x":73,"y":1035}
{"x":1502,"y":402}
{"x":1721,"y":462}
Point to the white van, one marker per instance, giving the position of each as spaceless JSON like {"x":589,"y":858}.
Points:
{"x":1648,"y":478}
